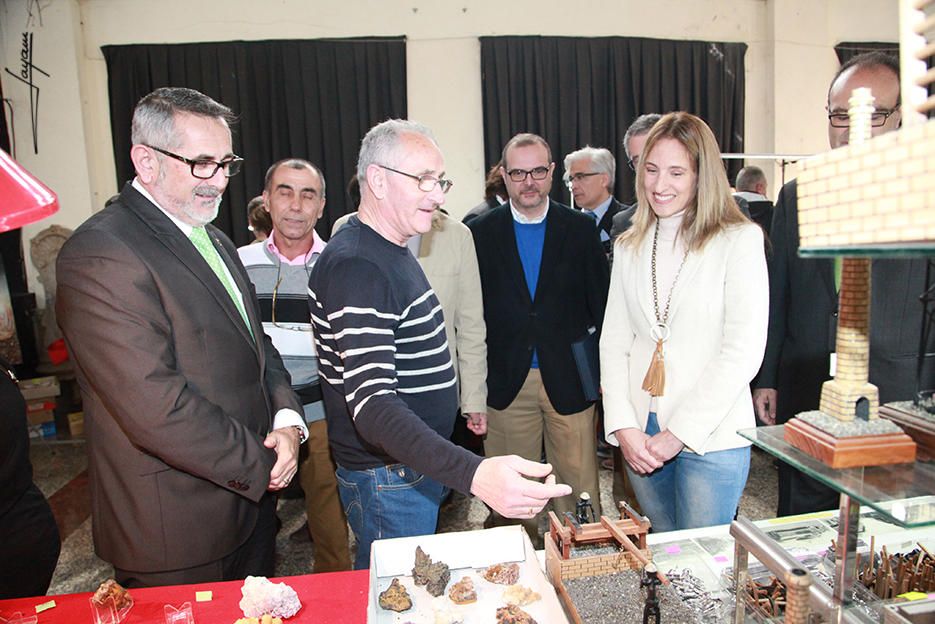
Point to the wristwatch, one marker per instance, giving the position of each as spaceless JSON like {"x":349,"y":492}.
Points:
{"x":302,"y":435}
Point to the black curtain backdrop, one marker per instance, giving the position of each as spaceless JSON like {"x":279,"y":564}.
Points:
{"x":586,"y":91}
{"x":307,"y":99}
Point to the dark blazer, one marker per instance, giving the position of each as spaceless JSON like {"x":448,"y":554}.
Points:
{"x":759,"y":211}
{"x":178,"y":396}
{"x":620,"y":224}
{"x":622,"y":220}
{"x":29,"y":539}
{"x":803,"y":318}
{"x":607,"y":222}
{"x":482,"y":208}
{"x":570,"y":297}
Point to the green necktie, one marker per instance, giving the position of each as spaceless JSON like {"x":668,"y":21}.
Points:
{"x":202,"y":243}
{"x":838,"y":265}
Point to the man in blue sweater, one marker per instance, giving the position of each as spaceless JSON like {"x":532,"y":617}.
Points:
{"x":544,"y":280}
{"x":386,"y":372}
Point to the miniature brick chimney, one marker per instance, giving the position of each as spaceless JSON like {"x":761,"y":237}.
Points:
{"x":850,"y":395}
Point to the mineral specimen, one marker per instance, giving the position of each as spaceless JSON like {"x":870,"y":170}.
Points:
{"x":502,"y":573}
{"x":395,"y":597}
{"x":434,"y":576}
{"x":463,"y":592}
{"x":511,"y":614}
{"x":261,"y":596}
{"x":520,"y":595}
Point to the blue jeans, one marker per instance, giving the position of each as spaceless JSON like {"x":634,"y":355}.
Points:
{"x":390,"y":501}
{"x":692,"y":490}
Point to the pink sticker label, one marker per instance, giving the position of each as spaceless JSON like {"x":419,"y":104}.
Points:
{"x":674,"y":549}
{"x":721,"y":558}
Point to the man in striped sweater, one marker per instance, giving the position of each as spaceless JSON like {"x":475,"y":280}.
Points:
{"x":294,"y":196}
{"x":386,"y":372}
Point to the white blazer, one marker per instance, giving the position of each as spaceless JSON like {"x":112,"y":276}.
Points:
{"x":718,"y":317}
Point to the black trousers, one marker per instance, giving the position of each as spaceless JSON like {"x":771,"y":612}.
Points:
{"x":799,"y":493}
{"x":29,"y":547}
{"x":255,"y":557}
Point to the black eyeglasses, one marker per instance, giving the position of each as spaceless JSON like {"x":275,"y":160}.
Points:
{"x":205,"y":169}
{"x":427,"y":183}
{"x":877,"y":118}
{"x":633,"y":163}
{"x":579,"y":177}
{"x":519,"y":175}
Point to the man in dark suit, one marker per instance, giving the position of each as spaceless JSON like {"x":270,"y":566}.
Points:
{"x":190,"y":419}
{"x":544,"y":280}
{"x":804,"y":300}
{"x":751,"y":196}
{"x":633,"y":142}
{"x":590,"y":173}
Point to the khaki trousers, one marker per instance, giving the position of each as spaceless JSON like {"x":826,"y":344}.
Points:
{"x":570,"y":445}
{"x":326,"y":522}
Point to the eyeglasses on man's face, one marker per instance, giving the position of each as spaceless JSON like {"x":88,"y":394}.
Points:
{"x":877,"y":119}
{"x":537,"y":173}
{"x":633,"y":163}
{"x":427,"y":183}
{"x":579,"y":177}
{"x":205,"y":169}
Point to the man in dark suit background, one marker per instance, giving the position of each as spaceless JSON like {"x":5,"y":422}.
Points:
{"x":590,"y":173}
{"x":751,"y":196}
{"x":633,"y":142}
{"x":544,"y":280}
{"x":804,"y":300}
{"x":190,"y":419}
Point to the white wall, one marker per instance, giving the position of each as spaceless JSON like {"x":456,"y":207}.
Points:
{"x":788,"y":64}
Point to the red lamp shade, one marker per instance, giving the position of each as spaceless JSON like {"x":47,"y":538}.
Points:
{"x":23,"y":198}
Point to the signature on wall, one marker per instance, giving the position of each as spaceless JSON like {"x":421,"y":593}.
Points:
{"x":26,"y":75}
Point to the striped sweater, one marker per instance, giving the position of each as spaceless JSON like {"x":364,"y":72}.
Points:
{"x":291,"y":335}
{"x":387,"y":378}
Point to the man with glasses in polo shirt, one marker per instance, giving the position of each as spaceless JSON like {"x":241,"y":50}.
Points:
{"x":191,"y":423}
{"x":386,"y":372}
{"x":544,"y":280}
{"x":279,"y":267}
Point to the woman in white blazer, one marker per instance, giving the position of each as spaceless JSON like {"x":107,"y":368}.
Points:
{"x":684,"y":332}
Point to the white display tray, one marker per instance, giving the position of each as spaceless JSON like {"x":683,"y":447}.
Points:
{"x":466,"y":553}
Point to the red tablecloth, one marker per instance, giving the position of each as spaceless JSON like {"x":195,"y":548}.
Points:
{"x":335,"y":598}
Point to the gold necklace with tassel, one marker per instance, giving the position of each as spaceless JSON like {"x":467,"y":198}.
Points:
{"x":655,"y":380}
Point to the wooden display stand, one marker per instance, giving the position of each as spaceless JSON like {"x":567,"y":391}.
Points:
{"x":851,"y":452}
{"x":628,"y":533}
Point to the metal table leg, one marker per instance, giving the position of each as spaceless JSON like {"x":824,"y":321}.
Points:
{"x":845,"y":554}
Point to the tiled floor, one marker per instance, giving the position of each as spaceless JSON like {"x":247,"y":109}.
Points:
{"x":60,"y":472}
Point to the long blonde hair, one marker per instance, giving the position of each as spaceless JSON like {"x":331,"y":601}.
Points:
{"x":713,"y":207}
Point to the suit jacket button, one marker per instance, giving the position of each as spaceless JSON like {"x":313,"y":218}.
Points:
{"x":232,"y":484}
